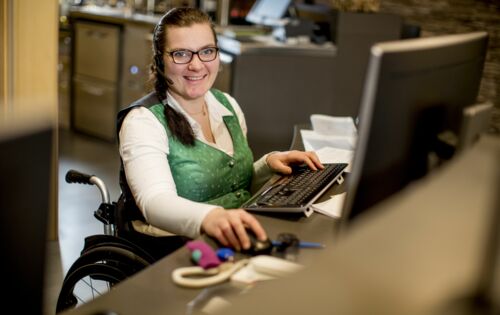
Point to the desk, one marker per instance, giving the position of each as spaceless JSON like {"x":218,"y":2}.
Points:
{"x":440,"y":224}
{"x":152,"y":291}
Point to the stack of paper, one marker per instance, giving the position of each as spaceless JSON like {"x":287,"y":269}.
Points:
{"x":333,"y":126}
{"x":331,"y":207}
{"x":334,"y":140}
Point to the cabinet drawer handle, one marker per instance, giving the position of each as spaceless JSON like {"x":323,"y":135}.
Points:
{"x":96,"y":91}
{"x":96,"y":34}
{"x":101,"y":35}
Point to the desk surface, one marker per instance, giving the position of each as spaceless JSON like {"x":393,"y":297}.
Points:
{"x":154,"y":291}
{"x":269,"y":45}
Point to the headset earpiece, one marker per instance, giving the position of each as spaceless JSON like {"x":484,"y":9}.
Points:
{"x":160,"y":66}
{"x":158,"y":56}
{"x":159,"y":62}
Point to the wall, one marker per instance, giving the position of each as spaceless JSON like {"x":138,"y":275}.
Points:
{"x":28,"y":72}
{"x":456,"y":16}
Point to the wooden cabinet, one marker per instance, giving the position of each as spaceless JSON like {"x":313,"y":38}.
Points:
{"x":95,"y":78}
{"x":111,"y":67}
{"x":137,"y":54}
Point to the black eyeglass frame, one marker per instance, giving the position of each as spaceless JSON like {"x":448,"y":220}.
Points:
{"x":171,"y":54}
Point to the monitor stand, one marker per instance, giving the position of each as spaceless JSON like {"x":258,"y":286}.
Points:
{"x":475,"y":121}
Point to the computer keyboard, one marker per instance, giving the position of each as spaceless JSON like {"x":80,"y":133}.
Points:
{"x":296,"y":192}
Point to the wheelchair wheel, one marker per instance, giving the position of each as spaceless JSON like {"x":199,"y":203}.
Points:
{"x":101,"y":240}
{"x":95,"y":272}
{"x":87,"y":283}
{"x":122,"y":258}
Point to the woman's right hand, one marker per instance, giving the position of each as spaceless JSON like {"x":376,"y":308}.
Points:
{"x":229,"y":227}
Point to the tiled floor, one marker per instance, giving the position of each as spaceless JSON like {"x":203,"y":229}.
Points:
{"x":77,"y":203}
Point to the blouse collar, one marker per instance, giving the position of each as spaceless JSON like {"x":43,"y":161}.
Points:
{"x":215,"y":108}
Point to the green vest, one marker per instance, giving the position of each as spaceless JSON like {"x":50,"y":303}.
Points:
{"x":205,"y":174}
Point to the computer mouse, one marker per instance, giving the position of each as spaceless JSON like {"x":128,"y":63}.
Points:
{"x":258,"y":247}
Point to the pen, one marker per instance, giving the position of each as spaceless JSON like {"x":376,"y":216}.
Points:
{"x":301,"y":244}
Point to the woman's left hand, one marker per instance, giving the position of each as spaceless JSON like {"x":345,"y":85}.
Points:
{"x":281,"y":161}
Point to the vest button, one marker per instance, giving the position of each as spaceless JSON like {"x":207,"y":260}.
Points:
{"x":231,"y":163}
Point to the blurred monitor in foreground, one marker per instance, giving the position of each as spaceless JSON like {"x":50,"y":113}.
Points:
{"x":25,"y":172}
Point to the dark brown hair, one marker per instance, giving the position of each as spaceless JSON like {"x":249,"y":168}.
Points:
{"x":177,"y":17}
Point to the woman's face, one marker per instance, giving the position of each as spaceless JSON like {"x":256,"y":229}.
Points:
{"x":193,"y":79}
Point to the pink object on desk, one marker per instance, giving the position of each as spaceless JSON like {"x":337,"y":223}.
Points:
{"x":203,"y":254}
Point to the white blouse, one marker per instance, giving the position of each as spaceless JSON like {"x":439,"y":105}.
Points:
{"x":143,"y":149}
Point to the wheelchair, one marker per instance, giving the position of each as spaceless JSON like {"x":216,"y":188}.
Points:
{"x":108,"y":258}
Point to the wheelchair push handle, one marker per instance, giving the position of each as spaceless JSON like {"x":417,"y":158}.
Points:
{"x":73,"y":176}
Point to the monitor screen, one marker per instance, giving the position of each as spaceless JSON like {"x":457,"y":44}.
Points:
{"x":268,"y":12}
{"x":415,"y":91}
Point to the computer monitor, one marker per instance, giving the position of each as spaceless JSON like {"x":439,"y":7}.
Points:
{"x":25,"y":172}
{"x":415,"y":92}
{"x":268,"y":12}
{"x":323,"y":17}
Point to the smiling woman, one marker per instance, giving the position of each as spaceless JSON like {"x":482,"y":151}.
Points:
{"x":185,"y":156}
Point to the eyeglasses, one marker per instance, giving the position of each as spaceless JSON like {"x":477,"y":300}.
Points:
{"x":183,"y":56}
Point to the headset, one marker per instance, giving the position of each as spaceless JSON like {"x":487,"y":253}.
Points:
{"x":158,"y":56}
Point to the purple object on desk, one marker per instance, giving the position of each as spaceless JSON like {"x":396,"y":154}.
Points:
{"x":203,"y":254}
